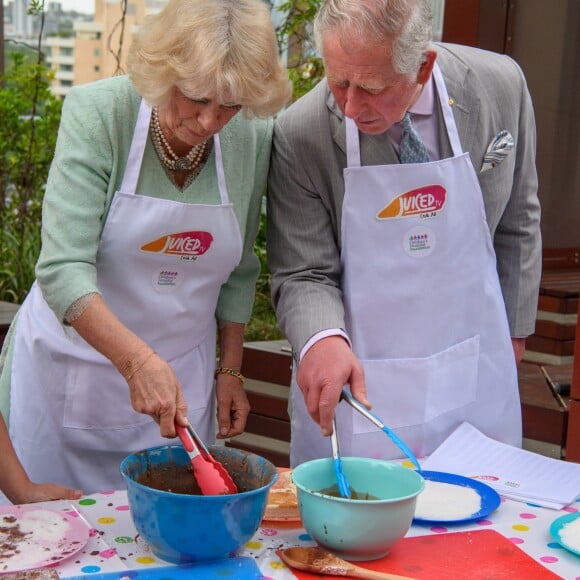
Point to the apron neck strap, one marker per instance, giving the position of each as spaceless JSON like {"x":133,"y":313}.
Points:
{"x":137,"y":150}
{"x":447,"y":111}
{"x":352,"y":144}
{"x":219,"y":167}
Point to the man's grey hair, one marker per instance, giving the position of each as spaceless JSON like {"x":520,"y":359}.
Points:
{"x":408,"y":23}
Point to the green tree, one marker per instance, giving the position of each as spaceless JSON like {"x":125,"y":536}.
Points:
{"x":295,"y":39}
{"x":30,"y":116}
{"x":306,"y":70}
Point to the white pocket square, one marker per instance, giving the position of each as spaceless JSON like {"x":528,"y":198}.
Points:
{"x":497,"y":150}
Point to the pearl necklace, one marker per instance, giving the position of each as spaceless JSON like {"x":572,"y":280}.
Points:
{"x":174,"y":162}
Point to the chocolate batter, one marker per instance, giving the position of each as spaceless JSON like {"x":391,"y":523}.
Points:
{"x":175,"y":477}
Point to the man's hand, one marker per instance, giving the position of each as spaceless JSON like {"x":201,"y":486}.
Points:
{"x":519,"y":346}
{"x":324,"y":370}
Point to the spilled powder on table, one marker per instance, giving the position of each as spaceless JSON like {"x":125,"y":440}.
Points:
{"x":570,"y":534}
{"x":446,"y":501}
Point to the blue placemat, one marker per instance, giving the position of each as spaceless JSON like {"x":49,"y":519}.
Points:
{"x":238,"y":568}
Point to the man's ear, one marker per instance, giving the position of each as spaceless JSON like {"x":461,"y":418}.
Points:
{"x":426,"y":67}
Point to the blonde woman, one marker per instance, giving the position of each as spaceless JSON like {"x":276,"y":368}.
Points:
{"x":150,"y":216}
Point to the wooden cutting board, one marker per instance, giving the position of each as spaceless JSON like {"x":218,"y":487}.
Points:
{"x":477,"y":555}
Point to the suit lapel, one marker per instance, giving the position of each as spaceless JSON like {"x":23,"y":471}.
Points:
{"x":465,"y":104}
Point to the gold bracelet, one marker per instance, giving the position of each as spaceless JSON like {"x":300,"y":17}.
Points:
{"x":133,"y":368}
{"x":232,"y":372}
{"x":126,"y":366}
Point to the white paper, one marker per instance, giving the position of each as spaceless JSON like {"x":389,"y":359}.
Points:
{"x":513,"y":472}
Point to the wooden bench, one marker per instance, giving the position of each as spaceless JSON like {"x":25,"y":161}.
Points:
{"x":573,"y":434}
{"x":553,"y":340}
{"x":544,"y":412}
{"x":267,"y":368}
{"x":7,"y":312}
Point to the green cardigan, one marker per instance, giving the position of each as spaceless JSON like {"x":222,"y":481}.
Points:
{"x":93,"y":143}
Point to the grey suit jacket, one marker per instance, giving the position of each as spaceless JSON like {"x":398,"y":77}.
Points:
{"x":306,"y":190}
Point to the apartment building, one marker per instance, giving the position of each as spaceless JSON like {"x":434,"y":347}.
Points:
{"x":98,"y":47}
{"x":101,"y":46}
{"x":59,"y":54}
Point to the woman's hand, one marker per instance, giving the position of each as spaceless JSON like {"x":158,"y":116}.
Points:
{"x":233,"y":406}
{"x":155,"y":390}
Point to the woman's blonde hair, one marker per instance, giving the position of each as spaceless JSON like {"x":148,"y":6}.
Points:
{"x":225,"y":48}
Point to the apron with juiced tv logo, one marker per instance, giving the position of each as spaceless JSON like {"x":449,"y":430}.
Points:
{"x":160,"y":266}
{"x":423,"y":301}
{"x":423,"y":305}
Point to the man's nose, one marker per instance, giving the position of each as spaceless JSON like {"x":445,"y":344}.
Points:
{"x":353,"y":102}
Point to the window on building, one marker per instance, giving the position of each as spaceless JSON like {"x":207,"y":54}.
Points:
{"x":96,"y":68}
{"x":131,"y":9}
{"x":65,"y":83}
{"x":96,"y":52}
{"x":66,"y":51}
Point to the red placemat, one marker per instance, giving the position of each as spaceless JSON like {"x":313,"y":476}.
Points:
{"x":477,"y":555}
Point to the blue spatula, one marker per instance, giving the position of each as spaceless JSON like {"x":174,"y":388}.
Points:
{"x":343,"y":486}
{"x":358,"y":406}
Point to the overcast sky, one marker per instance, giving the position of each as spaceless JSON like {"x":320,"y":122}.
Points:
{"x":87,"y":6}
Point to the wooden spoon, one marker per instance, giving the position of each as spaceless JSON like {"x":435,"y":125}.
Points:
{"x":319,"y":561}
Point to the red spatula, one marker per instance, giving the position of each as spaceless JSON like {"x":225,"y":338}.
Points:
{"x":211,"y":475}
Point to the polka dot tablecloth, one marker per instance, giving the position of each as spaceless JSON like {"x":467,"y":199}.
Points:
{"x":114,"y":544}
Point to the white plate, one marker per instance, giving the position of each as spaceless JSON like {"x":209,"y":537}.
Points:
{"x":33,"y":537}
{"x":556,"y":530}
{"x":490,"y":499}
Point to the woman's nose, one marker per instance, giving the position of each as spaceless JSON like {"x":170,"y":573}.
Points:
{"x":210,"y":119}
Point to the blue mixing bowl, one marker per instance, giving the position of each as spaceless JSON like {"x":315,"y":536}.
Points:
{"x":357,"y":529}
{"x":180,"y":527}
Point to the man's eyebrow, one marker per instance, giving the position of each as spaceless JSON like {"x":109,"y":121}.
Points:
{"x":361,"y":85}
{"x":337,"y":80}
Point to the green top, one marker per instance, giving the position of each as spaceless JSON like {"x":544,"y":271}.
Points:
{"x":94,"y":138}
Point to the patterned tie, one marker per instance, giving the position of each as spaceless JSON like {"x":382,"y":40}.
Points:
{"x":412,"y":149}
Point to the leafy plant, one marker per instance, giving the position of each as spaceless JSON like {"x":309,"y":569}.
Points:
{"x":30,"y":116}
{"x":263,"y":324}
{"x":306,"y":70}
{"x":305,"y":66}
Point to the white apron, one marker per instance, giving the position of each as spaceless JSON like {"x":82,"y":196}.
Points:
{"x":424,"y":307}
{"x":160,"y":266}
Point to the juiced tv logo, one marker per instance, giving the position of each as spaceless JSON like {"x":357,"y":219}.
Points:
{"x":424,"y":201}
{"x":180,"y":244}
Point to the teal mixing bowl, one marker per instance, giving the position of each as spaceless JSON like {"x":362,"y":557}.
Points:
{"x":357,"y":529}
{"x":183,"y":527}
